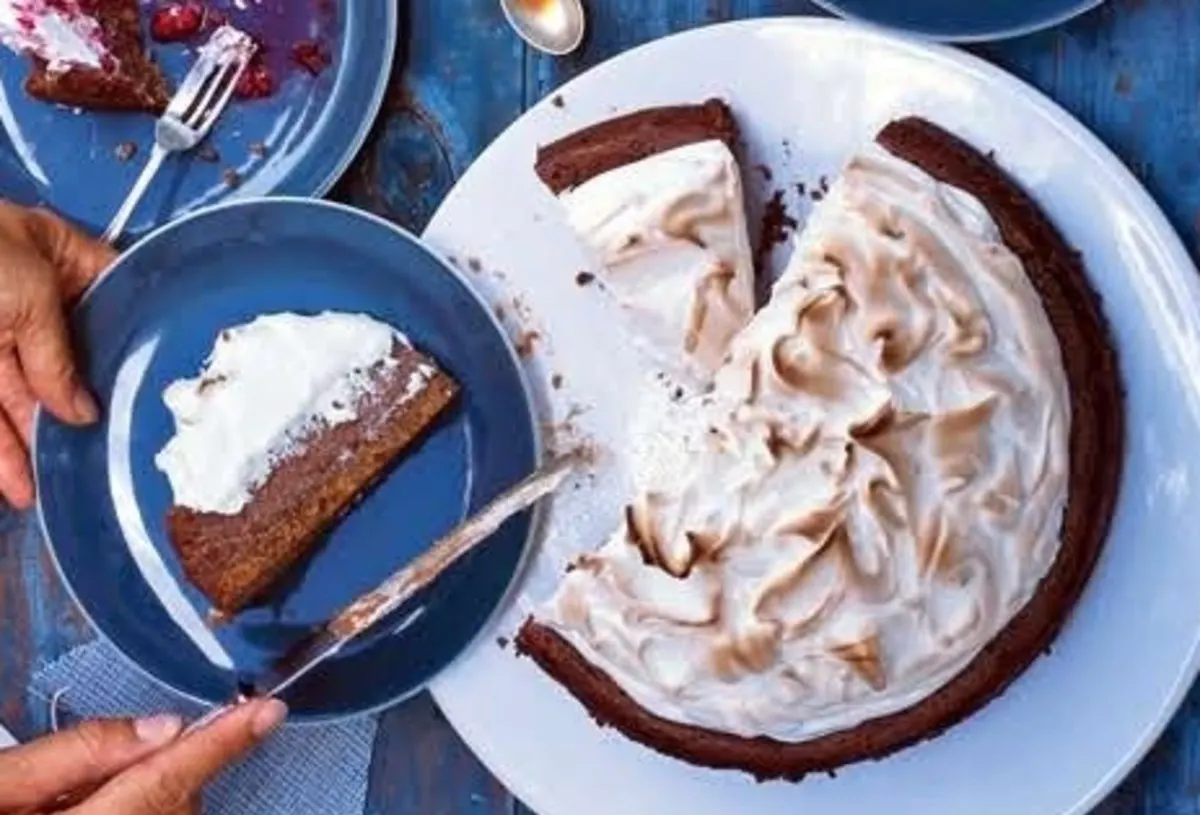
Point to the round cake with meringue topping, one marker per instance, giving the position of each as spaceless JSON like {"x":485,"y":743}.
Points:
{"x":883,"y":501}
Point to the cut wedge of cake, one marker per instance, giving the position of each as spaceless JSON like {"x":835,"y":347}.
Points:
{"x":292,"y":420}
{"x":86,"y":54}
{"x":657,"y":196}
{"x":888,"y":505}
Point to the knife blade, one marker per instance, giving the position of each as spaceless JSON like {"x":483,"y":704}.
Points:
{"x":369,"y":609}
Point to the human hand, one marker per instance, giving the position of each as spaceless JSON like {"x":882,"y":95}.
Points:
{"x":126,"y":767}
{"x":44,"y":264}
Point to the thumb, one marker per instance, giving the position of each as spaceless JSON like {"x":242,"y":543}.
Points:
{"x":37,"y":774}
{"x":44,"y":349}
{"x":78,"y":257}
{"x":168,"y":781}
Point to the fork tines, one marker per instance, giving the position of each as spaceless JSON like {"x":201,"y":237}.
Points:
{"x":209,"y":85}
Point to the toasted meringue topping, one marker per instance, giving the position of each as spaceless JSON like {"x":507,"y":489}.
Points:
{"x":670,"y":232}
{"x":870,"y":494}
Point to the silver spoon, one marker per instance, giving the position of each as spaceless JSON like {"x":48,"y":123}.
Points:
{"x":553,"y":26}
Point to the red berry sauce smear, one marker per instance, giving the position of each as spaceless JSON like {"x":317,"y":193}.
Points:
{"x":293,"y":35}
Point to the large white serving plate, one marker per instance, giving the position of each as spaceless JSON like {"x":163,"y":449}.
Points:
{"x":807,"y":93}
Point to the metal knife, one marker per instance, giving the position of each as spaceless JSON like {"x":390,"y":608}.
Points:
{"x":398,"y":589}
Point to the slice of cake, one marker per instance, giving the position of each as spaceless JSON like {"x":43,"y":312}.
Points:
{"x":292,"y":419}
{"x":657,"y":196}
{"x":86,"y":53}
{"x":893,"y":498}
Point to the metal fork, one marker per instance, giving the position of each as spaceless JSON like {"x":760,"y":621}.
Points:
{"x":195,"y":108}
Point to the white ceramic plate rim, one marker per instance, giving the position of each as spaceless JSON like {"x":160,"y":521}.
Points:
{"x":1117,"y":178}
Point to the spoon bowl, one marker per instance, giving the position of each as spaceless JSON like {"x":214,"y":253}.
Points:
{"x":553,"y":26}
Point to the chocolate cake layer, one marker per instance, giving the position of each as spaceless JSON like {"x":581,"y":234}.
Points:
{"x":234,"y":559}
{"x":587,"y":153}
{"x":133,"y":83}
{"x":1096,"y":455}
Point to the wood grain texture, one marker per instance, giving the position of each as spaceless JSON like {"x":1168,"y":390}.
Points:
{"x":1129,"y":70}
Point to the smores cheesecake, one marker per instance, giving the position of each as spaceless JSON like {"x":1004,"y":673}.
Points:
{"x":887,"y":505}
{"x":292,"y":419}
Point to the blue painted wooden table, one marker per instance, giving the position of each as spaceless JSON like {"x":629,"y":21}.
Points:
{"x":1129,"y":70}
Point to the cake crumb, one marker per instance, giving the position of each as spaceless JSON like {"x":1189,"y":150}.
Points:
{"x":558,"y":101}
{"x":585,"y":452}
{"x":824,"y":184}
{"x":556,"y":381}
{"x":500,"y":313}
{"x":564,"y":437}
{"x":474,"y":265}
{"x":766,"y":173}
{"x":258,"y":150}
{"x":585,"y":279}
{"x":232,"y":178}
{"x":816,"y":194}
{"x":526,"y":342}
{"x":524,"y":314}
{"x":801,"y":189}
{"x":207,"y":153}
{"x":502,"y":642}
{"x":678,"y":394}
{"x":125,"y":151}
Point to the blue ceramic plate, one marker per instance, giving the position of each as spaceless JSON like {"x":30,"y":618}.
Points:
{"x":962,"y":20}
{"x":152,"y":319}
{"x":310,"y":129}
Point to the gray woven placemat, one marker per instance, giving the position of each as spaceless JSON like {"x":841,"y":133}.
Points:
{"x":311,"y":770}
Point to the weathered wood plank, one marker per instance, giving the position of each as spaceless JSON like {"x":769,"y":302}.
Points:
{"x":1130,"y":71}
{"x":618,"y":25}
{"x":421,"y":766}
{"x":44,"y":621}
{"x":456,"y":84}
{"x":16,"y":633}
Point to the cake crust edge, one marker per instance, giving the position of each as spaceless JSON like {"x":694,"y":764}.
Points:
{"x":587,"y":153}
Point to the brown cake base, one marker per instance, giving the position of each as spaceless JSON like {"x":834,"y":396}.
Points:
{"x":234,"y":559}
{"x":132,"y":83}
{"x":1097,"y":448}
{"x":583,"y":155}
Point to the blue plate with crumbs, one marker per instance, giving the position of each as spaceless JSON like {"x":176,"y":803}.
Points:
{"x":297,"y":142}
{"x":153,"y":319}
{"x":962,"y":20}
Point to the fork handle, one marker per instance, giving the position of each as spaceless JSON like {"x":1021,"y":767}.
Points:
{"x":121,"y":219}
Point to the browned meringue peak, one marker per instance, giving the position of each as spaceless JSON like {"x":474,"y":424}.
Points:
{"x":864,"y":659}
{"x":669,"y":233}
{"x":876,"y":492}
